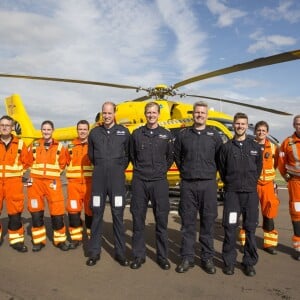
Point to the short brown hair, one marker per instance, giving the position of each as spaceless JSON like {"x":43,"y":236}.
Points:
{"x":111,"y":103}
{"x":261,"y":123}
{"x":84,"y":122}
{"x":296,"y":117}
{"x":200,"y":103}
{"x":151,"y":104}
{"x":240,"y":115}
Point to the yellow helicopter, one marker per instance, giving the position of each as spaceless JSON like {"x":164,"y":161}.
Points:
{"x":174,"y":114}
{"x":131,"y":113}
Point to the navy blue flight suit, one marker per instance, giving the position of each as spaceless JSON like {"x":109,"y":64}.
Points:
{"x":108,"y":150}
{"x":151,"y":152}
{"x":240,"y":165}
{"x":195,"y":155}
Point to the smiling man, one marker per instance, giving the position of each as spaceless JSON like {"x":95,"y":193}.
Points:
{"x":14,"y":161}
{"x":79,"y":175}
{"x":108,"y":150}
{"x":289,"y":167}
{"x":195,"y":155}
{"x":240,"y":165}
{"x":151,"y":151}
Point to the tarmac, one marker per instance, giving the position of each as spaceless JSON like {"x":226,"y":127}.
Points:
{"x":54,"y":274}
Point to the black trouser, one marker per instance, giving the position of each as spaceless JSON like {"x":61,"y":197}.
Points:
{"x":236,"y":204}
{"x":158,"y":193}
{"x":198,"y":196}
{"x":104,"y":185}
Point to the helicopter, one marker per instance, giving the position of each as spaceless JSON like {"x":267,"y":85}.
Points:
{"x":174,"y":115}
{"x":131,"y":113}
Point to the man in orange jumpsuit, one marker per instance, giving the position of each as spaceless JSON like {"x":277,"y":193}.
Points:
{"x":79,"y":175}
{"x":265,"y":188}
{"x":48,"y":160}
{"x":289,"y":167}
{"x":13,"y":163}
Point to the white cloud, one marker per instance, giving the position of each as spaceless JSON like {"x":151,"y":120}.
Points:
{"x":240,"y":83}
{"x":286,"y":10}
{"x":82,"y":39}
{"x":137,"y":42}
{"x":190,"y":40}
{"x":226,"y":15}
{"x":269,"y":43}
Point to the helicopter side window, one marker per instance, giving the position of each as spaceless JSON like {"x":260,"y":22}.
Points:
{"x":223,"y":136}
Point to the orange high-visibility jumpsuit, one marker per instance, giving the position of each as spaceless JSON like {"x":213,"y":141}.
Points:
{"x":46,"y":167}
{"x":79,"y":175}
{"x":267,"y":196}
{"x":289,"y":167}
{"x":14,"y":161}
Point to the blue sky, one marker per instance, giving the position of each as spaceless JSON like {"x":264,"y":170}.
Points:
{"x":144,"y":43}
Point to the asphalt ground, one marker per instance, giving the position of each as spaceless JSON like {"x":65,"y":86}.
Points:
{"x":54,"y":274}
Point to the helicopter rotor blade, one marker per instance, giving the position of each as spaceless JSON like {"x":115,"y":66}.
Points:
{"x":270,"y":110}
{"x":143,"y":98}
{"x":120,"y":86}
{"x":260,"y":62}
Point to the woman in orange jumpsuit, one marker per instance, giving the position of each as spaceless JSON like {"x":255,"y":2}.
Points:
{"x":48,"y":160}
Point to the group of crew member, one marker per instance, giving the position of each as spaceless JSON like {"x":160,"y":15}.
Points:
{"x":95,"y":164}
{"x":46,"y":158}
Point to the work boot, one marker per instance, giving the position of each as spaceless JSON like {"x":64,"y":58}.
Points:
{"x":63,"y":246}
{"x":74,"y":244}
{"x":249,"y":270}
{"x":38,"y":247}
{"x":296,"y":255}
{"x":270,"y":250}
{"x":163,"y":263}
{"x":92,"y":260}
{"x":137,"y":263}
{"x":228,"y":270}
{"x":208,"y":266}
{"x":20,"y":247}
{"x":122,"y":260}
{"x":184,"y":266}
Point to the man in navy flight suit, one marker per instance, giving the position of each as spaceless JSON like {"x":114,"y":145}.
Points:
{"x":151,"y":151}
{"x":195,"y":152}
{"x":240,"y":166}
{"x":108,"y":150}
